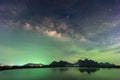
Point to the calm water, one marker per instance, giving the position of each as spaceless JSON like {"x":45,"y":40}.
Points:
{"x":61,"y":74}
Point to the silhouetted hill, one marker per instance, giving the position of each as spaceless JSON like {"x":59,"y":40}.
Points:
{"x":60,"y":64}
{"x":82,"y":63}
{"x":91,"y":63}
{"x":33,"y":65}
{"x":86,"y":63}
{"x":29,"y":65}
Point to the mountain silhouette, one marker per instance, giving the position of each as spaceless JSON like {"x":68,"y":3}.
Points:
{"x":92,"y":63}
{"x":81,"y":63}
{"x":60,"y":64}
{"x":87,"y":63}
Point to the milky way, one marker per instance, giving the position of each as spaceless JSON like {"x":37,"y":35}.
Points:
{"x":41,"y":31}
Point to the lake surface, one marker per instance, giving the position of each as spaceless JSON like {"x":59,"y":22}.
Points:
{"x":60,"y":74}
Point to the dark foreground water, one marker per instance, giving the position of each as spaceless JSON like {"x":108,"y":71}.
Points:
{"x":61,"y":74}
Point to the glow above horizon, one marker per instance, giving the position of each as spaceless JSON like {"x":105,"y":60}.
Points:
{"x":68,"y":32}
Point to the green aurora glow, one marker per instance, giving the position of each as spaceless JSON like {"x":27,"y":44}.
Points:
{"x":41,"y":31}
{"x":31,"y":47}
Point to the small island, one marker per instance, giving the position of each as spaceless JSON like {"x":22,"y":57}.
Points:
{"x":80,"y":63}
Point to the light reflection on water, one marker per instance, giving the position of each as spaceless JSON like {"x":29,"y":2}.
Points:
{"x":61,"y":74}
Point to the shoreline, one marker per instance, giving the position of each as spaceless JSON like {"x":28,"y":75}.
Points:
{"x":13,"y":68}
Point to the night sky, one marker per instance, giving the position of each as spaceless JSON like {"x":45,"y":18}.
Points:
{"x":41,"y":31}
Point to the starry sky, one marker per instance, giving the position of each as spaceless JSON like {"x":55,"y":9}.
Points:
{"x":41,"y":31}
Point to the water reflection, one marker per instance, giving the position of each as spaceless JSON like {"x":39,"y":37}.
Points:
{"x":81,"y":70}
{"x":89,"y":70}
{"x":61,"y":74}
{"x":61,"y":70}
